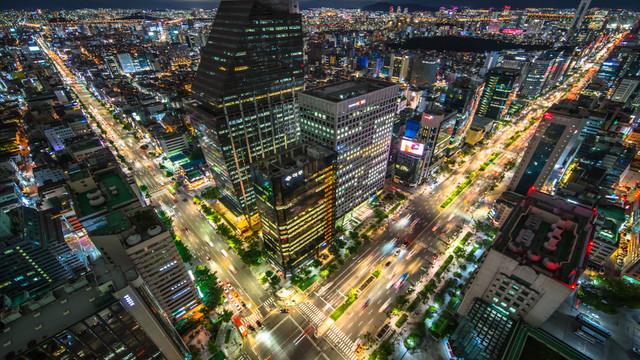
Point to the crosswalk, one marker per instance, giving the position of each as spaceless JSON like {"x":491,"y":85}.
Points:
{"x":334,"y":336}
{"x":252,"y":318}
{"x":269,"y":304}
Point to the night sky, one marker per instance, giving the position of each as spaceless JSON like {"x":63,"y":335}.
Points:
{"x":186,"y":4}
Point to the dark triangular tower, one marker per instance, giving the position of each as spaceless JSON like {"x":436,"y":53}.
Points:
{"x":250,"y":70}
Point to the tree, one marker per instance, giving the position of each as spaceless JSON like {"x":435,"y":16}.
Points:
{"x":211,"y":193}
{"x":224,"y":230}
{"x":226,"y":315}
{"x":212,"y":346}
{"x":196,"y":154}
{"x":340,"y":229}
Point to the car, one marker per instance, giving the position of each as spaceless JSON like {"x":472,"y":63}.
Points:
{"x":284,"y":311}
{"x":235,"y":304}
{"x":226,"y":291}
{"x":251,"y":328}
{"x":359,"y":349}
{"x":219,"y":282}
{"x":229,"y":285}
{"x":405,"y":244}
{"x":233,"y":270}
{"x":235,"y":294}
{"x":224,"y":253}
{"x":398,"y":251}
{"x":636,"y":350}
{"x":435,"y":256}
{"x":243,"y":304}
{"x":434,"y":228}
{"x":230,"y":297}
{"x":259,"y":324}
{"x":387,"y":264}
{"x":365,"y":304}
{"x":208,"y":258}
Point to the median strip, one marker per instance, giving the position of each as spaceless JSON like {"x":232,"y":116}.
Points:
{"x":351,"y":298}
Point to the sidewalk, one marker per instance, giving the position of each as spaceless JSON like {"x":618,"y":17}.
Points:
{"x":235,"y":346}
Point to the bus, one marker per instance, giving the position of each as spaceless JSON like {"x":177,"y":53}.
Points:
{"x":588,"y":323}
{"x":593,"y":334}
{"x":241,"y":327}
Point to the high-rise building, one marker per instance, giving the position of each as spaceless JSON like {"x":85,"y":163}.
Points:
{"x":355,"y":119}
{"x":33,"y":254}
{"x":424,"y":146}
{"x":250,"y":70}
{"x":499,"y":89}
{"x":138,"y":240}
{"x":424,"y":72}
{"x":549,"y":151}
{"x":106,"y":314}
{"x":581,"y":11}
{"x":535,"y":260}
{"x":536,"y":74}
{"x":296,"y":201}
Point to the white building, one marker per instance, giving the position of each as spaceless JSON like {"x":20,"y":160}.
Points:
{"x":535,"y":260}
{"x":355,"y":119}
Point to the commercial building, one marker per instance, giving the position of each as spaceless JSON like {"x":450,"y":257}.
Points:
{"x":535,"y":260}
{"x":138,"y":240}
{"x":103,"y":315}
{"x":427,"y":139}
{"x":296,"y":201}
{"x":33,"y":254}
{"x":499,"y":88}
{"x":355,"y":119}
{"x":536,"y":74}
{"x":579,"y":15}
{"x":550,"y":150}
{"x":173,"y":144}
{"x":424,"y":72}
{"x":245,"y":85}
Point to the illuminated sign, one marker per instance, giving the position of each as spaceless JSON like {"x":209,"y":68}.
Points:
{"x":412,"y":147}
{"x":512,"y":31}
{"x":34,"y":48}
{"x":129,"y":300}
{"x":361,"y":102}
{"x":548,"y":116}
{"x":294,"y":175}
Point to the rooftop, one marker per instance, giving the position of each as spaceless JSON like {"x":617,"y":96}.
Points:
{"x":292,"y":160}
{"x":112,"y":190}
{"x":549,"y":235}
{"x":348,"y":89}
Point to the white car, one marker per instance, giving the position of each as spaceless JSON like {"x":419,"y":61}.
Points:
{"x":236,"y":305}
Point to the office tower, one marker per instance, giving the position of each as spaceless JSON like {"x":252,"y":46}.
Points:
{"x":535,"y":260}
{"x":424,"y":72}
{"x":138,"y":239}
{"x":491,"y":60}
{"x":103,"y":315}
{"x":245,"y":85}
{"x":581,"y":11}
{"x":462,"y":98}
{"x":536,"y":74}
{"x":296,"y":201}
{"x":499,"y":89}
{"x":355,"y":119}
{"x":427,"y":138}
{"x":33,"y":254}
{"x":549,"y":151}
{"x":628,"y":89}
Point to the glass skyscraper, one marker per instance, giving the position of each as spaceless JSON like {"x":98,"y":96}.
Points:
{"x":249,"y":71}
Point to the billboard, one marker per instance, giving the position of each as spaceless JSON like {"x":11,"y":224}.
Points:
{"x":412,"y":147}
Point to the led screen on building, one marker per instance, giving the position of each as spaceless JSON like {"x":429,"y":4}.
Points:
{"x":412,"y":147}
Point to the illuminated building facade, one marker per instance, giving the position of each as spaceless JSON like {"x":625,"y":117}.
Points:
{"x":245,"y":88}
{"x":535,"y":260}
{"x":499,"y":88}
{"x":138,"y":240}
{"x":423,"y":147}
{"x":296,"y":201}
{"x":355,"y":119}
{"x":550,"y":151}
